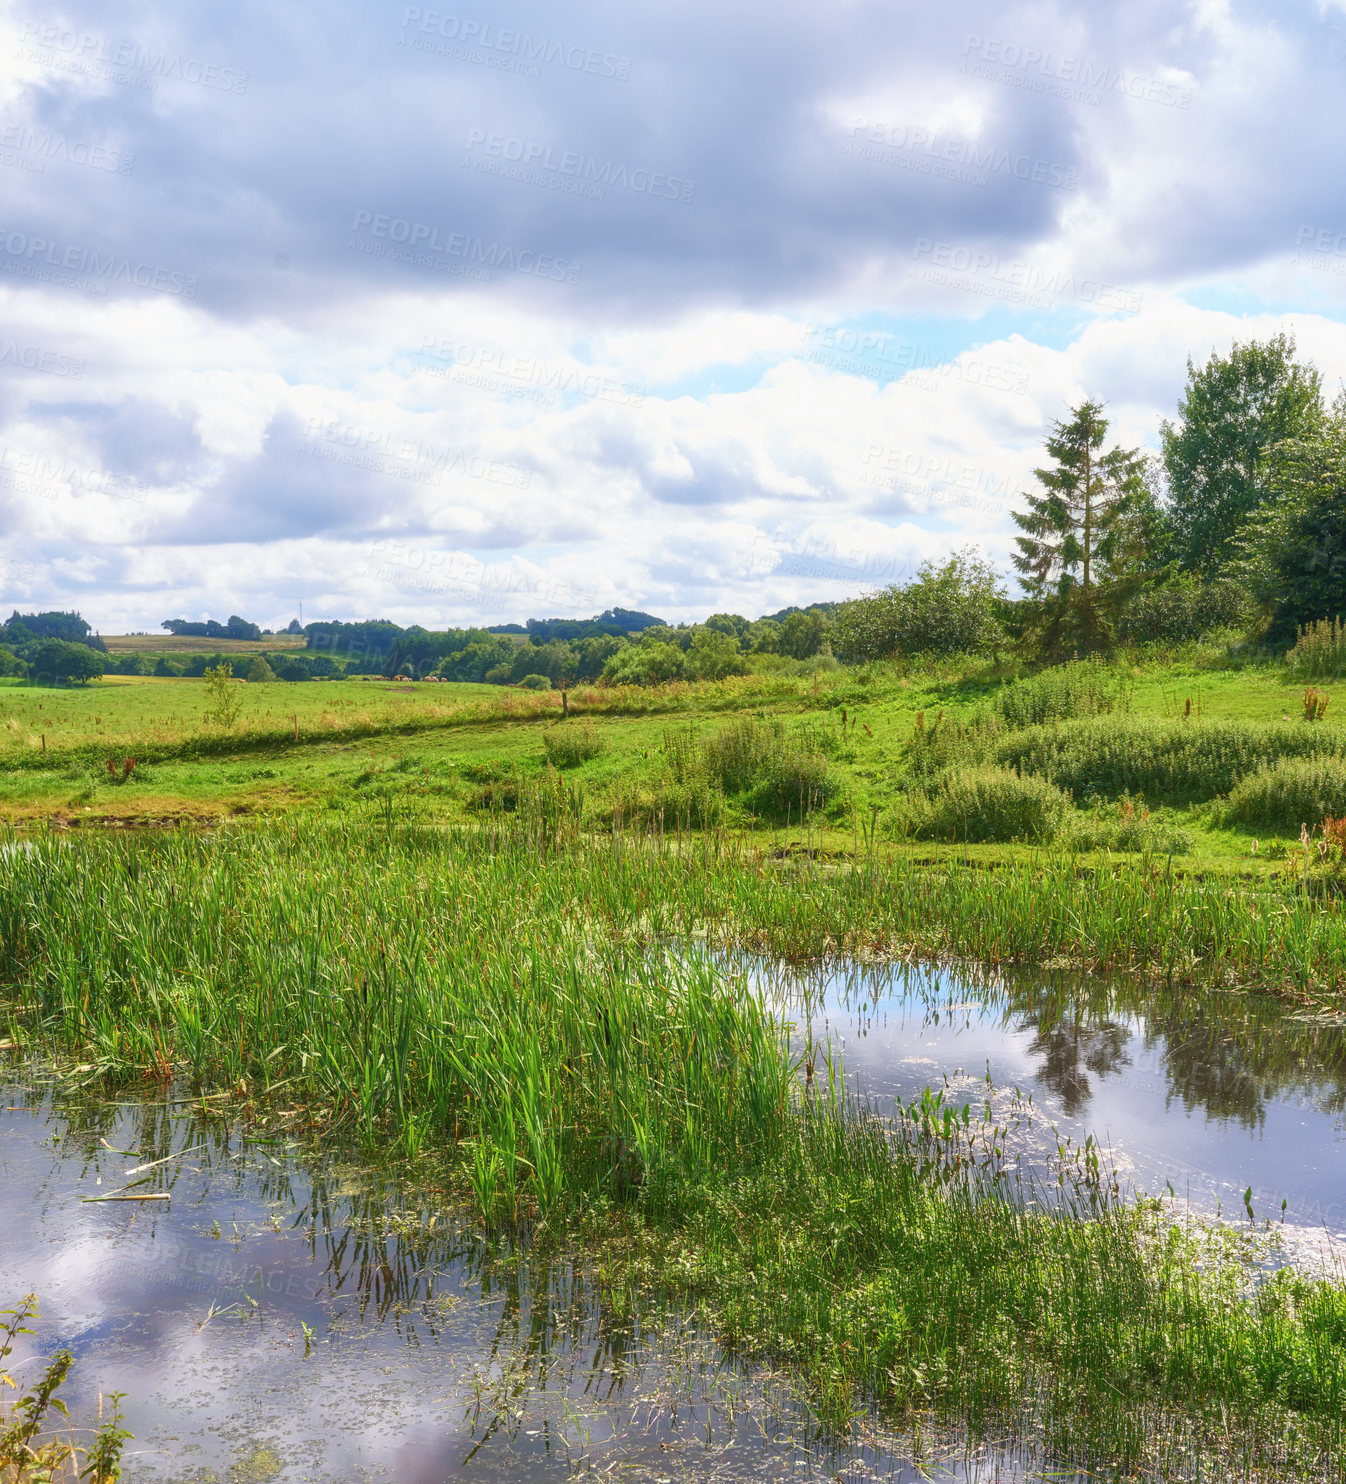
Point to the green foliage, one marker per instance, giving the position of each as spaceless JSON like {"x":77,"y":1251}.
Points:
{"x":1294,"y":546}
{"x":1235,"y":410}
{"x":224,"y":701}
{"x":1289,"y":793}
{"x":1183,"y":610}
{"x":1063,"y":693}
{"x":56,"y":662}
{"x":166,"y":668}
{"x":980,"y":804}
{"x":1075,"y":532}
{"x":1127,"y":826}
{"x":949,"y":609}
{"x":651,"y":662}
{"x":770,"y":769}
{"x":1319,"y":652}
{"x":259,"y":672}
{"x":573,"y":743}
{"x":1170,"y":762}
{"x":535,"y":682}
{"x":949,"y":740}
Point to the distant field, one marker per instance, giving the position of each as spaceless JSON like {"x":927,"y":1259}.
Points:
{"x":192,"y":644}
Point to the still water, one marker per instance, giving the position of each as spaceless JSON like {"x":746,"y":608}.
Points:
{"x":292,"y":1315}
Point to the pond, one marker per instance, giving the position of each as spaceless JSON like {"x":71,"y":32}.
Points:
{"x":1187,"y":1094}
{"x":293,"y":1314}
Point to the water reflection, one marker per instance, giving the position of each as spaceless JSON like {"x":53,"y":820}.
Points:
{"x":1204,"y":1091}
{"x":293,"y":1315}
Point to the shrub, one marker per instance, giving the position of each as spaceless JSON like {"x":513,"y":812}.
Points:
{"x":769,"y":769}
{"x":1063,"y":693}
{"x":1128,"y":827}
{"x":569,"y":746}
{"x":951,"y":609}
{"x":1169,"y":762}
{"x":984,"y":804}
{"x":1319,"y":651}
{"x":1288,"y":794}
{"x":535,"y":682}
{"x":947,"y":740}
{"x":1182,"y":611}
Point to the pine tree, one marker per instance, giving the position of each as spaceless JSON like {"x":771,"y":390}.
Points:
{"x":1076,"y":548}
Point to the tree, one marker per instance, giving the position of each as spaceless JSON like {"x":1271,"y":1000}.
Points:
{"x":948,"y":609}
{"x":56,"y":661}
{"x":224,"y":700}
{"x":259,"y":671}
{"x":1294,"y":546}
{"x":802,"y":634}
{"x":1073,"y":543}
{"x":1236,"y":409}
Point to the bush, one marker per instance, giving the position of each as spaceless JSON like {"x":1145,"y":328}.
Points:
{"x":985,"y":804}
{"x":947,"y":740}
{"x":1319,"y":651}
{"x":1063,"y":693}
{"x":1182,"y":611}
{"x":1168,"y":762}
{"x":535,"y":682}
{"x":1288,"y":794}
{"x":768,"y":769}
{"x":1128,"y":827}
{"x":569,"y":746}
{"x":951,"y":609}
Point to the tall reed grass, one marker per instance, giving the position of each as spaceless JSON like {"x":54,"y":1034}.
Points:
{"x":505,"y":988}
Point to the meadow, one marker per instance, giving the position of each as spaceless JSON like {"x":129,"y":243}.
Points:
{"x":1203,"y":760}
{"x":455,"y":918}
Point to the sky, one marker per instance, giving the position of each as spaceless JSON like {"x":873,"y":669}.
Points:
{"x":521,"y":310}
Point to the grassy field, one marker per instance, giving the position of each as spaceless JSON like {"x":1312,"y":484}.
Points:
{"x":1149,"y":756}
{"x":154,"y":645}
{"x":507,"y":991}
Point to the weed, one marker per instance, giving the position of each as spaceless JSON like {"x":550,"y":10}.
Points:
{"x":574,"y":743}
{"x":1064,"y":693}
{"x":1285,"y":794}
{"x":978,"y":804}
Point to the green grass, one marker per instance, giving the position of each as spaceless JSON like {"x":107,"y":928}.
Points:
{"x":505,"y":990}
